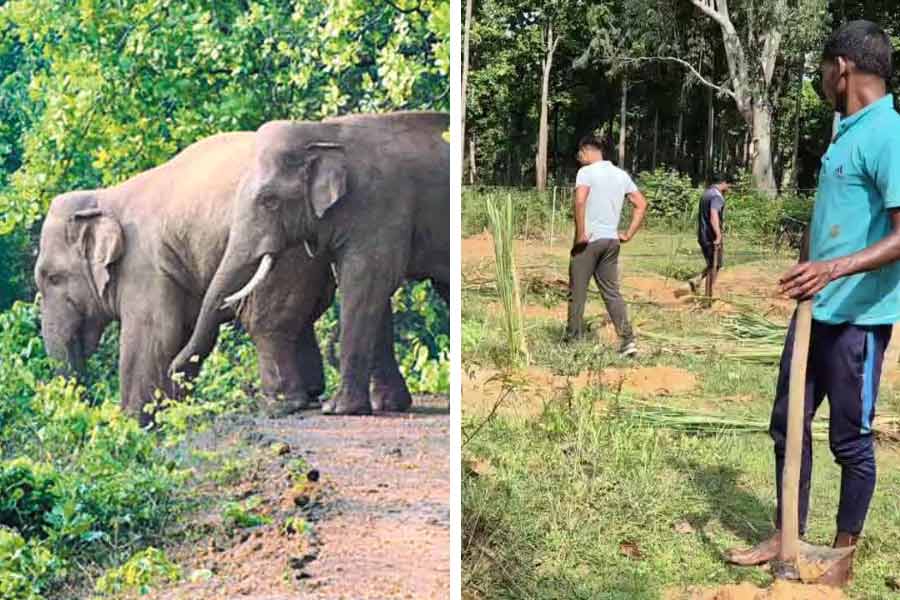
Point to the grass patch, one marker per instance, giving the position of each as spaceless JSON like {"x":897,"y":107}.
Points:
{"x":583,"y":504}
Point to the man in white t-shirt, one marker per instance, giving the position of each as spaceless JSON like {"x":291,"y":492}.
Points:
{"x":600,"y":190}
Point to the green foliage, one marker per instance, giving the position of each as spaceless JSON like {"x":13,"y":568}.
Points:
{"x":29,"y":493}
{"x":15,"y":267}
{"x":671,"y":196}
{"x":422,"y":338}
{"x":673,"y":204}
{"x":533,"y":212}
{"x":240,"y":516}
{"x":93,"y":92}
{"x":24,"y":567}
{"x":93,"y":480}
{"x":147,"y":568}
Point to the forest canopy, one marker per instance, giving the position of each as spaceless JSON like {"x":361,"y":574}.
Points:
{"x":675,"y":83}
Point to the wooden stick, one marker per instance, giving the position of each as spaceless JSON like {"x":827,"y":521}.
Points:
{"x":790,"y":476}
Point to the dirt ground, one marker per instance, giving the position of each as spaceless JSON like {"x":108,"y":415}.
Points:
{"x":366,"y":516}
{"x":536,"y":259}
{"x":482,"y":388}
{"x":780,"y":590}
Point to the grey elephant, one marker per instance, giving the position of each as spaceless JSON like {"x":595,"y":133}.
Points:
{"x":144,"y":252}
{"x":371,"y":193}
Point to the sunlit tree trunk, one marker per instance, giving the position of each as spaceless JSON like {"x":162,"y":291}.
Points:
{"x":465,"y":77}
{"x":547,"y":66}
{"x":623,"y":111}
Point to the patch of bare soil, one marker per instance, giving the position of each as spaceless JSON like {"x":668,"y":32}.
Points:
{"x":780,"y":590}
{"x":755,"y":286}
{"x":525,"y":393}
{"x":371,"y":522}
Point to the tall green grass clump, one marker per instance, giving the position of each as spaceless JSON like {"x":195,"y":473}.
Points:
{"x":502,"y":231}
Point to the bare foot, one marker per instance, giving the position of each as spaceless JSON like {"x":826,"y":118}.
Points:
{"x":758,"y":554}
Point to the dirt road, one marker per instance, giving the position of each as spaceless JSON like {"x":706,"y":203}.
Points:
{"x":358,"y":507}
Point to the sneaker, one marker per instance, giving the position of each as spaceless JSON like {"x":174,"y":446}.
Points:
{"x":628,"y":349}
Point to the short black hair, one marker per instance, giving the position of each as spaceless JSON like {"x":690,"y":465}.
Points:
{"x":717,"y":177}
{"x":592,"y":141}
{"x":863,"y":42}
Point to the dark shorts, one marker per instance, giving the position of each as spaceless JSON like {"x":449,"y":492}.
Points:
{"x":708,"y":250}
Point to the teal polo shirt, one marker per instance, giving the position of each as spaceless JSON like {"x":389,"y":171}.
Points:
{"x":858,"y":182}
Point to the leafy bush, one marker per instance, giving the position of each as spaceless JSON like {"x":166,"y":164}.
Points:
{"x":140,"y":573}
{"x":29,"y":494}
{"x":240,"y":516}
{"x":93,"y":478}
{"x":533,"y":211}
{"x":25,"y":567}
{"x":671,"y":197}
{"x":672,"y":205}
{"x":422,"y":338}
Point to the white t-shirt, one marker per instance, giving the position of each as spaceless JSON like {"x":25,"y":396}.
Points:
{"x":608,"y":185}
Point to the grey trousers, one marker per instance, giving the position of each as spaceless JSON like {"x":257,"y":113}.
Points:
{"x":599,"y":259}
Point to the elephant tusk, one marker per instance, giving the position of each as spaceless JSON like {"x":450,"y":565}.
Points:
{"x":265,"y":265}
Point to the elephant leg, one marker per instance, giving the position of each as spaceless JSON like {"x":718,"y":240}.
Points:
{"x":389,"y":392}
{"x":309,"y":361}
{"x":284,"y":390}
{"x":146,"y":348}
{"x":367,"y":281}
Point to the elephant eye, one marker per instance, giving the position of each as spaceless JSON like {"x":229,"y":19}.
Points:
{"x":269,"y":201}
{"x":55,"y":278}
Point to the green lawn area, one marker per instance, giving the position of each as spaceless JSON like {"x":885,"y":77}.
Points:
{"x":584,"y":499}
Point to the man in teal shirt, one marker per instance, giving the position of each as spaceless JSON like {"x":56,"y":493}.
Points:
{"x":854,"y":280}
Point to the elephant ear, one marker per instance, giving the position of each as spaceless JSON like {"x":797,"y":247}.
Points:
{"x":327,"y":175}
{"x":100,"y":242}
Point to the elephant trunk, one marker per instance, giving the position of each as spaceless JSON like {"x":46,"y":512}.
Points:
{"x":68,"y":351}
{"x":234,"y":272}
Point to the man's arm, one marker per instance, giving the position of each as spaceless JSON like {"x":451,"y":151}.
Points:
{"x":637,"y":215}
{"x":716,"y":226}
{"x":581,"y":196}
{"x":807,"y":278}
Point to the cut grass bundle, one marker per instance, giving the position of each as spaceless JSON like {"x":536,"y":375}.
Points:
{"x":746,"y":337}
{"x":502,"y":227}
{"x":886,"y":427}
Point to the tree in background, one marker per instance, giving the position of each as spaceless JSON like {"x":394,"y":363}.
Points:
{"x":683,"y":84}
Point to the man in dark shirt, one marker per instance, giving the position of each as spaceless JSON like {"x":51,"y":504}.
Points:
{"x":710,"y":219}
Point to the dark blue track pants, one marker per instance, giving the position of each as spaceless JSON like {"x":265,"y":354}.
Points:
{"x":845,"y":365}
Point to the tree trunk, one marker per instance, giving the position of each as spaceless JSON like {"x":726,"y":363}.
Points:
{"x":622,"y":122}
{"x":710,"y":131}
{"x":635,"y":155}
{"x":541,"y":158}
{"x":472,"y":160}
{"x":679,"y":131}
{"x":761,"y":153}
{"x":751,"y":78}
{"x":793,"y":176}
{"x":655,"y":137}
{"x":465,"y":77}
